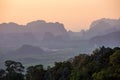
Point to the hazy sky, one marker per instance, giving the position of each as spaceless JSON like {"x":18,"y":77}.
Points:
{"x":74,"y":14}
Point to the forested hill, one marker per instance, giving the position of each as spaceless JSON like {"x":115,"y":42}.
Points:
{"x":102,"y":64}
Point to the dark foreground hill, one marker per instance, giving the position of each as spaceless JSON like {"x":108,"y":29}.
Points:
{"x":102,"y":64}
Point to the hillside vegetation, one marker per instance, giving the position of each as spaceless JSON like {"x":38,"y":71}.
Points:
{"x":102,"y":64}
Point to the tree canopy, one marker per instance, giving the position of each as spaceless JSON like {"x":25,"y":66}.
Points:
{"x":102,"y":64}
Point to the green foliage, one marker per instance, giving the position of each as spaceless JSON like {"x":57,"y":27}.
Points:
{"x":115,"y":58}
{"x":98,"y":66}
{"x":35,"y":72}
{"x":103,"y":64}
{"x":105,"y":74}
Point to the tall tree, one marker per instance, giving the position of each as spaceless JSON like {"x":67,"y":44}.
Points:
{"x":14,"y":70}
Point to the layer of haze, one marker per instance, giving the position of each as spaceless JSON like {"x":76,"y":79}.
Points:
{"x":74,"y":14}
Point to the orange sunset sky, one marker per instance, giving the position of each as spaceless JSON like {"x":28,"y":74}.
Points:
{"x":74,"y":14}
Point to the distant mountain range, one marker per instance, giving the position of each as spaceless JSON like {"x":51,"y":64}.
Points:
{"x":102,"y":27}
{"x":111,"y":39}
{"x":33,"y":32}
{"x":46,"y":33}
{"x":28,"y":50}
{"x":99,"y":27}
{"x":36,"y":27}
{"x":53,"y":41}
